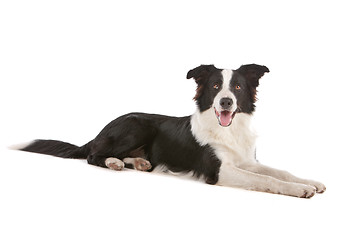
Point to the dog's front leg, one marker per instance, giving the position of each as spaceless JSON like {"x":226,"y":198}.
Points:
{"x":232,"y":176}
{"x":281,"y":175}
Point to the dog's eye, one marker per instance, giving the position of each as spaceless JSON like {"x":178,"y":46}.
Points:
{"x":216,"y":86}
{"x":237,"y":87}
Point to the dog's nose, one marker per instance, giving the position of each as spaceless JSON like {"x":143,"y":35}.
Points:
{"x":226,"y":103}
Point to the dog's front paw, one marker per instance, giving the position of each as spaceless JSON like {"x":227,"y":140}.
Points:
{"x":302,"y":191}
{"x":308,"y":192}
{"x":320,"y":188}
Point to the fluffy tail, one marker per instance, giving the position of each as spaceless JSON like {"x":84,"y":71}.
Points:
{"x":58,"y":149}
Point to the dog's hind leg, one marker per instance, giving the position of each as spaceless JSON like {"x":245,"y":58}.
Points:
{"x":106,"y":155}
{"x":123,"y":139}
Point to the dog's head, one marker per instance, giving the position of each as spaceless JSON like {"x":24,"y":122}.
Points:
{"x":227,"y":91}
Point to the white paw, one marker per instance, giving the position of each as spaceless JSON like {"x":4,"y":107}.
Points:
{"x":142,"y":164}
{"x":114,"y":164}
{"x":299,"y":190}
{"x":138,"y":163}
{"x":320,"y":188}
{"x":305,"y":191}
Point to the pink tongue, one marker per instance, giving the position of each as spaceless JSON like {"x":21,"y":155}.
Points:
{"x":225,"y":118}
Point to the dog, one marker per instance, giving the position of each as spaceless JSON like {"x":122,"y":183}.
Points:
{"x":214,"y":144}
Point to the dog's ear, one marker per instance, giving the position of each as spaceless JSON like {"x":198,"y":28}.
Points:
{"x":200,"y":74}
{"x":252,"y":73}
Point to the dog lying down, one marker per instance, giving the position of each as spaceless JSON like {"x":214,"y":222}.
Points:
{"x":214,"y":144}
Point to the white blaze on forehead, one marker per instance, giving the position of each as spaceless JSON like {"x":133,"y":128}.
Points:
{"x":225,"y":91}
{"x":227,"y":75}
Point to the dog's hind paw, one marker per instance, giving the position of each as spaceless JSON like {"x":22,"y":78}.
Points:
{"x":138,"y":163}
{"x":114,"y":164}
{"x":142,"y":164}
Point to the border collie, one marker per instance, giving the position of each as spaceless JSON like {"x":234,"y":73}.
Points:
{"x":215,"y":143}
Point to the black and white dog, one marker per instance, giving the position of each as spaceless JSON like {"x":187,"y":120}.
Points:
{"x":215,"y":143}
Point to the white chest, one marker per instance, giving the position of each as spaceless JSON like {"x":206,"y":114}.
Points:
{"x":233,"y":145}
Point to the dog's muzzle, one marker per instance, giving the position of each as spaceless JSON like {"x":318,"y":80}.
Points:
{"x":225,"y":115}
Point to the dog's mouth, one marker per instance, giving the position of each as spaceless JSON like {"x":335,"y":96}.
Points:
{"x":224,"y":117}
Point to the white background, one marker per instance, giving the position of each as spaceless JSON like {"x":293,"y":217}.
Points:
{"x":67,"y":68}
